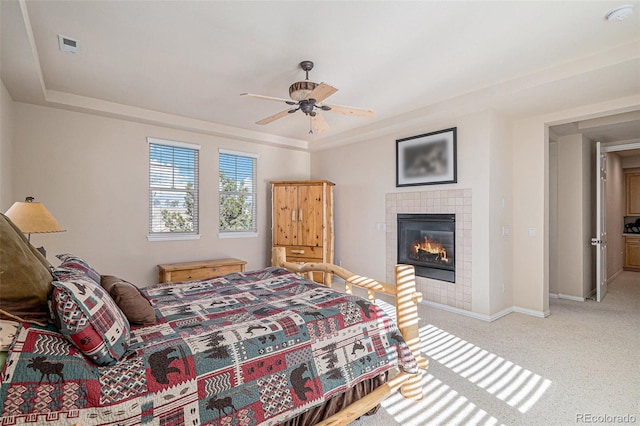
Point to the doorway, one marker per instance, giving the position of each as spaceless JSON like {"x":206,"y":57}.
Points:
{"x":619,"y":158}
{"x":572,"y":202}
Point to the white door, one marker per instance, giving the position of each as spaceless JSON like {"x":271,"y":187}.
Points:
{"x":600,"y":241}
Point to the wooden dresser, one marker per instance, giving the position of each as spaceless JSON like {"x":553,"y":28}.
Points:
{"x":303,"y":221}
{"x":198,"y":270}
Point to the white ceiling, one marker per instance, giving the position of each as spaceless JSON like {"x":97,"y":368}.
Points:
{"x":185,"y":63}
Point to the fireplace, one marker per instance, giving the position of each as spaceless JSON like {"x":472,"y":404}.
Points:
{"x":427,"y":241}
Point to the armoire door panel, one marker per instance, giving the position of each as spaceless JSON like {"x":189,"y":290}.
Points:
{"x":310,"y":207}
{"x":285,"y":215}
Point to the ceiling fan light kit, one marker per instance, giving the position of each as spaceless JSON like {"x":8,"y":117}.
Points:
{"x":308,"y":97}
{"x":301,"y":89}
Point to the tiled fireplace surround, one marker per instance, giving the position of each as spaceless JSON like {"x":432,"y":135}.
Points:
{"x":457,"y":201}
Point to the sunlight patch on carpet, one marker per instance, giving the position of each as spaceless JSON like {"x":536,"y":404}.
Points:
{"x":509,"y":382}
{"x":441,"y":405}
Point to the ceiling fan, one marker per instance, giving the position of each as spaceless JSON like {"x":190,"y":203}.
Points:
{"x":308,"y":97}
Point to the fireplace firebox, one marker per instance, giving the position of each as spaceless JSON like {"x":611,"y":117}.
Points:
{"x":427,"y":241}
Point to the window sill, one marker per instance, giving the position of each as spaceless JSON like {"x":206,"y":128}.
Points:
{"x":237,"y":234}
{"x":173,"y":237}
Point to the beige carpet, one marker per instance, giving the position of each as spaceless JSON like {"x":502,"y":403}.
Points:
{"x":580,"y":365}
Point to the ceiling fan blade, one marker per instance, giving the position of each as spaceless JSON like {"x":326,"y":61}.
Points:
{"x":355,"y":112}
{"x":319,"y":123}
{"x":273,"y":117}
{"x":269,"y":98}
{"x":321,"y":92}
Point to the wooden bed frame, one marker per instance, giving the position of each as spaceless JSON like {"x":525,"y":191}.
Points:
{"x":407,"y":299}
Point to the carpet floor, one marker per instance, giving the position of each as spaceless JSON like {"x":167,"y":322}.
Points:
{"x":580,"y":365}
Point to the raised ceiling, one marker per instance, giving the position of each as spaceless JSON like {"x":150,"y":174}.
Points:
{"x":185,"y":63}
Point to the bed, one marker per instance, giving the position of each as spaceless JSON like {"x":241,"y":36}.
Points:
{"x":261,"y":347}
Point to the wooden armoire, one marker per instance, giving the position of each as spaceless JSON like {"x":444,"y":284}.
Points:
{"x":302,"y":221}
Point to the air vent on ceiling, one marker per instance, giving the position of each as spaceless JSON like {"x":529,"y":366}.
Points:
{"x":67,"y":44}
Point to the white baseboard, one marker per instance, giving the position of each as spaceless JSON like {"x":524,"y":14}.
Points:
{"x":500,"y":314}
{"x":456,"y":310}
{"x":483,"y":317}
{"x":533,"y":313}
{"x":566,"y":296}
{"x":591,"y":294}
{"x":570,"y":297}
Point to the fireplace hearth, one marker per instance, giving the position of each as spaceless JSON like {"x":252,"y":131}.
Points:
{"x":427,"y":241}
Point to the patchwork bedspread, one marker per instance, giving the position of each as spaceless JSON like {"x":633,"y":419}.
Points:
{"x":245,"y":349}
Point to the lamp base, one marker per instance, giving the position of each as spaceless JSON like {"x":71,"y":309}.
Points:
{"x":42,"y":251}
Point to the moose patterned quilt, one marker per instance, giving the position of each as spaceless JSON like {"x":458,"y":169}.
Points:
{"x":244,"y":349}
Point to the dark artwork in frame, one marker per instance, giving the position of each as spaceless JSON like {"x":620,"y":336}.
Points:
{"x":427,"y":159}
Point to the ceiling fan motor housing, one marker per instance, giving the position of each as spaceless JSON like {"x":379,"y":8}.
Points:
{"x":307,"y":106}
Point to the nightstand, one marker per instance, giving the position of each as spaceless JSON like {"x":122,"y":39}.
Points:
{"x":199,"y":270}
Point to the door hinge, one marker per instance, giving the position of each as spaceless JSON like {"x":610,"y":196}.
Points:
{"x":595,"y":241}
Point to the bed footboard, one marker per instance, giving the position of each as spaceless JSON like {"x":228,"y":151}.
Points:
{"x":406,"y":301}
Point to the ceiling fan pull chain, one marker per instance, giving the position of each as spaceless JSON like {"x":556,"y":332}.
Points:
{"x":310,"y":127}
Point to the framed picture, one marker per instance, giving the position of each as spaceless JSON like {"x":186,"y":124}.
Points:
{"x":427,"y":159}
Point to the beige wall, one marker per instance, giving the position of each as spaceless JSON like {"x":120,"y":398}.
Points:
{"x":615,"y":214}
{"x":92,"y":174}
{"x":553,"y":218}
{"x":570,"y":216}
{"x":588,"y":218}
{"x":7,"y":117}
{"x":364,"y":172}
{"x":500,"y":214}
{"x":530,"y":216}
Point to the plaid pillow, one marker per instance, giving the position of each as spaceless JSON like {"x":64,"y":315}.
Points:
{"x":88,"y":317}
{"x":70,"y":261}
{"x":66,"y":274}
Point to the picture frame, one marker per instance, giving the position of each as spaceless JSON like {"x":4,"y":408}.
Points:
{"x":427,"y":159}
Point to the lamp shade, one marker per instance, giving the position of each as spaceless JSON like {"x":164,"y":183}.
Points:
{"x":33,"y":217}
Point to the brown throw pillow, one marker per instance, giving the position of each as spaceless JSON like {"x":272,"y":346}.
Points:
{"x":129,"y":299}
{"x":25,"y":277}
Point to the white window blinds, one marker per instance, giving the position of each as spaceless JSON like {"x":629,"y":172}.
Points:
{"x":237,"y":191}
{"x":173,"y":187}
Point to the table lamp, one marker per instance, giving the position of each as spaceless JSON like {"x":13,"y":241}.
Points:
{"x":33,"y":218}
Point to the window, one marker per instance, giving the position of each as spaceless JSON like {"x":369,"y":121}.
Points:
{"x":173,"y":189}
{"x":237,"y":189}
